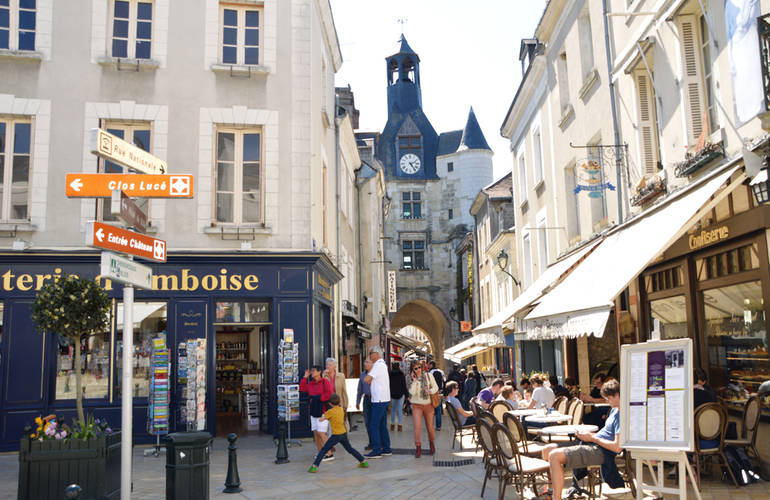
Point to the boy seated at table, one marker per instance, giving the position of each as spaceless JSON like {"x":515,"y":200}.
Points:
{"x":598,"y":448}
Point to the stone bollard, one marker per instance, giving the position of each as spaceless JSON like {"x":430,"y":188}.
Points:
{"x":233,"y":481}
{"x":72,"y":492}
{"x":282,"y":454}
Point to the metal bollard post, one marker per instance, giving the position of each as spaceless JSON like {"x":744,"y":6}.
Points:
{"x":233,"y":481}
{"x":282,"y":454}
{"x":72,"y":492}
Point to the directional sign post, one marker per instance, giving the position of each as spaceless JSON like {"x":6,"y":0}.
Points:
{"x":134,"y":185}
{"x":124,"y":270}
{"x":118,"y":239}
{"x":129,"y":212}
{"x":115,"y":149}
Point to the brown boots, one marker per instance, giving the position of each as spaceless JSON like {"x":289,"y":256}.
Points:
{"x":392,"y":427}
{"x":432,"y":448}
{"x":418,"y":451}
{"x":400,"y":428}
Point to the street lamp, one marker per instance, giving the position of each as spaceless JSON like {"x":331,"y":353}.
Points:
{"x":502,"y":262}
{"x":760,"y":186}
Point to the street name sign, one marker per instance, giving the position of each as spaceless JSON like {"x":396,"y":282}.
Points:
{"x":129,"y":212}
{"x":115,"y":149}
{"x":134,"y":185}
{"x":126,"y":271}
{"x":102,"y":235}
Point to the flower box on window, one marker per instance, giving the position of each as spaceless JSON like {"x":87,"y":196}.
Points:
{"x":701,"y":158}
{"x":647,"y":190}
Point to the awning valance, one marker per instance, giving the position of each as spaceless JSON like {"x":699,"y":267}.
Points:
{"x":569,"y":325}
{"x":579,"y":301}
{"x":472,"y":346}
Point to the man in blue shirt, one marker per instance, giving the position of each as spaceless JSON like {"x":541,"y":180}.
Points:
{"x":365,"y":392}
{"x":598,"y":448}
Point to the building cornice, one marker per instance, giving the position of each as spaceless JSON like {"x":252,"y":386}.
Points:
{"x":330,"y":33}
{"x":524,"y":98}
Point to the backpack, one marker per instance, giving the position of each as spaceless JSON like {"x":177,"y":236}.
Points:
{"x":439,"y":379}
{"x":739,"y":465}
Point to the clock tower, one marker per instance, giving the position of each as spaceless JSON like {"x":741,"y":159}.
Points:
{"x":407,"y":146}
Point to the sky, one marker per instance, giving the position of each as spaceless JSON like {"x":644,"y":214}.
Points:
{"x":469,"y":56}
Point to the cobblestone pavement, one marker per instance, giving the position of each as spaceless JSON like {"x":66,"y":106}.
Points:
{"x":398,"y":476}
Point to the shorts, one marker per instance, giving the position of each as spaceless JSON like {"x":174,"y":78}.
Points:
{"x":583,"y":455}
{"x":317,"y":425}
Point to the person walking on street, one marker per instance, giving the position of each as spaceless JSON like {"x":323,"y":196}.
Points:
{"x":398,"y":392}
{"x":364,"y":393}
{"x":422,"y":385}
{"x":336,"y":418}
{"x":439,"y":376}
{"x":319,"y":390}
{"x":457,"y":376}
{"x":378,"y":425}
{"x":469,"y":390}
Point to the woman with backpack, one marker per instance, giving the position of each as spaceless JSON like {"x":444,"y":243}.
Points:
{"x":398,"y":391}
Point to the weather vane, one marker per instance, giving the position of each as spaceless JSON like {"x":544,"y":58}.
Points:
{"x":402,"y":21}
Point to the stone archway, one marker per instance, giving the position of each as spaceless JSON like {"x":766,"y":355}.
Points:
{"x":428,"y":318}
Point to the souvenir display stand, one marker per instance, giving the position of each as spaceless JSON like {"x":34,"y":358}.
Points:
{"x":288,"y":387}
{"x":157,"y":407}
{"x":656,"y":411}
{"x":191,"y":383}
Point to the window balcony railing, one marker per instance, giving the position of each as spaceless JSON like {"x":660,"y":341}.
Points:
{"x":763,"y":26}
{"x":701,"y":158}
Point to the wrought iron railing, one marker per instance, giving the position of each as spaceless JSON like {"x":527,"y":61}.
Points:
{"x":763,"y":26}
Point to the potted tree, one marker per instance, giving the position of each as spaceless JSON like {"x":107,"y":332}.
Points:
{"x":53,"y":455}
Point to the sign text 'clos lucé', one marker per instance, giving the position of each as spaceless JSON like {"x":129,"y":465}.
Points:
{"x":134,"y":185}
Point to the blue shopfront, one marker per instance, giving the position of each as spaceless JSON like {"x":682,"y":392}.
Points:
{"x":240,"y":304}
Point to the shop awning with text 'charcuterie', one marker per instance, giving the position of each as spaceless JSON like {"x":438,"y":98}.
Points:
{"x":581,"y":303}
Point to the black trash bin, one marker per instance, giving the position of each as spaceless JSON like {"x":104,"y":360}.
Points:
{"x":187,"y":465}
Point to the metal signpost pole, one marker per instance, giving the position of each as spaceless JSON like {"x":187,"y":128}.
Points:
{"x":127,"y":393}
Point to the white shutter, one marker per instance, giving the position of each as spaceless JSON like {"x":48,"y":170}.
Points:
{"x":648,"y":133}
{"x":692,"y":77}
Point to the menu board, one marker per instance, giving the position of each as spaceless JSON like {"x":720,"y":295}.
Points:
{"x":656,"y":400}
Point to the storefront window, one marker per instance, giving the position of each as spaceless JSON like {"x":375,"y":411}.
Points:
{"x":242,"y":312}
{"x":737,"y":340}
{"x":669,"y":317}
{"x":95,"y":359}
{"x":149,"y":321}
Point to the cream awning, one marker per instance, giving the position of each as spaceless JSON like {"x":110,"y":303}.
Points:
{"x":581,"y":303}
{"x":473,"y":345}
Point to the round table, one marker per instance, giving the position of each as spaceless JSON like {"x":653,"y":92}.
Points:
{"x":526,"y":413}
{"x":566,"y":430}
{"x":595,"y":405}
{"x":551,"y":418}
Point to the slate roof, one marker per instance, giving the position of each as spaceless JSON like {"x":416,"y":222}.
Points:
{"x":448,"y":142}
{"x":406,"y":49}
{"x":471,"y":137}
{"x":501,"y":188}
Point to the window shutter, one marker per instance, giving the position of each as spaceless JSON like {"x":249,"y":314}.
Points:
{"x":648,"y":134}
{"x":692,"y":77}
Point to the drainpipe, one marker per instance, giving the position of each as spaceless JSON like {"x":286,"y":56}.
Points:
{"x":337,"y":298}
{"x":616,"y":130}
{"x":359,"y":249}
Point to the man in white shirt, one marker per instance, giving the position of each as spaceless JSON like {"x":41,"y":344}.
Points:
{"x":379,"y":380}
{"x":542,"y":397}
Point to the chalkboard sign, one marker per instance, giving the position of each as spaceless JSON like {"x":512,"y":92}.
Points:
{"x":656,"y":398}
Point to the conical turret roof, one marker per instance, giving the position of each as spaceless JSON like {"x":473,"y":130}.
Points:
{"x":406,"y":49}
{"x":473,"y":137}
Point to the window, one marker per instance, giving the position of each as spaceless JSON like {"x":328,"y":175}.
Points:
{"x":526,"y":254}
{"x":542,"y":248}
{"x":537,"y":154}
{"x":669,"y":317}
{"x":409,"y":144}
{"x":708,"y":76}
{"x":697,"y":77}
{"x":17,"y":24}
{"x":598,"y":207}
{"x":648,"y":125}
{"x":131,"y":29}
{"x":563,"y":81}
{"x":137,"y":134}
{"x":573,"y":203}
{"x":413,"y":254}
{"x":238,"y":176}
{"x":240,"y":35}
{"x":95,"y":361}
{"x":522,"y":178}
{"x":149,"y":321}
{"x":586,"y":43}
{"x":450,"y":167}
{"x":451,"y":214}
{"x":411,"y":205}
{"x":15,"y":162}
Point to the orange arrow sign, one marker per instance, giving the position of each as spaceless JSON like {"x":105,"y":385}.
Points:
{"x":134,"y":185}
{"x":103,"y":235}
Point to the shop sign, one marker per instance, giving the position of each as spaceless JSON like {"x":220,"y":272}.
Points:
{"x":102,"y":235}
{"x":129,"y":212}
{"x":593,"y":180}
{"x":465,"y":326}
{"x":126,"y":271}
{"x":324,"y":289}
{"x":705,"y":238}
{"x":134,"y":185}
{"x":392,"y":305}
{"x":115,"y":149}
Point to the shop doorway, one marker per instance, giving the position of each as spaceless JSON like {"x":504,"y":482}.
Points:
{"x":242,"y":363}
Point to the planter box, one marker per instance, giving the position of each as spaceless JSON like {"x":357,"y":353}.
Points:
{"x":46,"y":468}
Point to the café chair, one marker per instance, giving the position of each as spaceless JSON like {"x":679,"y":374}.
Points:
{"x":460,"y":430}
{"x":498,"y":408}
{"x":710,"y":424}
{"x":517,"y":468}
{"x":560,"y":404}
{"x":749,"y":425}
{"x":514,"y":426}
{"x":491,"y":464}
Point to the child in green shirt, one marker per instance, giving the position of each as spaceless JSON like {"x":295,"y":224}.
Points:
{"x":336,"y":417}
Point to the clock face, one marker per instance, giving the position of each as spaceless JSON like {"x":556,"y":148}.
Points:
{"x":410,"y":163}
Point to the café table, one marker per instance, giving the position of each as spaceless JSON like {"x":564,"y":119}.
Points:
{"x":550,"y":418}
{"x":568,"y":430}
{"x":526,"y":413}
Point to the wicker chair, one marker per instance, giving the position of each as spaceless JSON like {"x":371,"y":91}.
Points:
{"x":517,"y":468}
{"x":460,"y":430}
{"x":528,"y":448}
{"x":710,"y":424}
{"x":485,"y":439}
{"x":498,"y":409}
{"x":577,"y":412}
{"x":560,"y":404}
{"x":749,"y":425}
